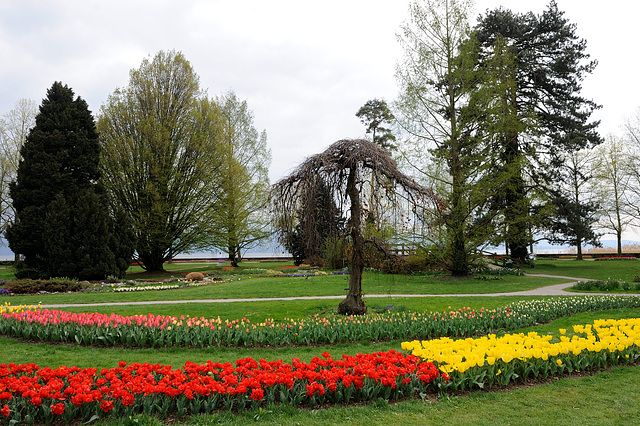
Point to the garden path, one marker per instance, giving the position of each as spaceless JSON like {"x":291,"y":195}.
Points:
{"x":550,"y":290}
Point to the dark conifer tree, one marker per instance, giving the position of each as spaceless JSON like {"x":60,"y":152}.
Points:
{"x":62,"y":220}
{"x":552,"y":117}
{"x":319,"y":220}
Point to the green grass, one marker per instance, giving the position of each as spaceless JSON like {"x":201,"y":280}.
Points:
{"x":7,"y":272}
{"x":247,"y":286}
{"x":624,"y":270}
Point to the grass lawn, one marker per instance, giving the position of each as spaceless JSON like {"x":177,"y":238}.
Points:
{"x":607,"y":397}
{"x":624,"y":270}
{"x":252,"y":286}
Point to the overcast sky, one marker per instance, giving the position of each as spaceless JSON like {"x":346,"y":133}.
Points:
{"x":304,"y":67}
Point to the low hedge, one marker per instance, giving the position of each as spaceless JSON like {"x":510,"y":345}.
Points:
{"x":29,"y":286}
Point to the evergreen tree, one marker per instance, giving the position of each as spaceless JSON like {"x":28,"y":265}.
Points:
{"x":551,"y":118}
{"x":318,"y":220}
{"x":62,"y":220}
{"x":374,"y":114}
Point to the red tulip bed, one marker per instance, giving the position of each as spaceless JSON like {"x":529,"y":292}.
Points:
{"x":31,"y":394}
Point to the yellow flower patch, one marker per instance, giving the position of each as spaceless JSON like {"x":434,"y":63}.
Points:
{"x":461,"y":354}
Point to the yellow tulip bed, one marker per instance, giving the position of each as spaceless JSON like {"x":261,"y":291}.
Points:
{"x":499,"y":360}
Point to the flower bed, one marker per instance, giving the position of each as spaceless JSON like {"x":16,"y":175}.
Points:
{"x":145,"y":288}
{"x":493,"y":360}
{"x":29,"y":393}
{"x":615,"y":258}
{"x":166,"y":331}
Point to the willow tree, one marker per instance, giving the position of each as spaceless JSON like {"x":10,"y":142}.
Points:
{"x":161,"y":158}
{"x":344,"y":169}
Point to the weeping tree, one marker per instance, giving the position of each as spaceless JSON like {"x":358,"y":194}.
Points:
{"x":345,"y":169}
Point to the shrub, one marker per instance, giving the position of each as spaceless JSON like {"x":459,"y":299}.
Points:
{"x":195,"y":276}
{"x":28,"y":286}
{"x":336,"y":252}
{"x":395,"y":265}
{"x":601,"y":285}
{"x":416,"y":262}
{"x":315,"y":261}
{"x":584,"y":286}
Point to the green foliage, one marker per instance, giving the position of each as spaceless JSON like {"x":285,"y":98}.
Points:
{"x":335,"y":252}
{"x":243,"y":181}
{"x":537,"y":108}
{"x":437,"y":105}
{"x":62,"y":224}
{"x":374,"y":114}
{"x":54,"y":285}
{"x":604,"y":285}
{"x":161,"y":165}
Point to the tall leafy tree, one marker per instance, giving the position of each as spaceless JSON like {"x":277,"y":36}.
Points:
{"x":437,"y":77}
{"x":161,"y":158}
{"x":632,"y":154}
{"x":550,"y":64}
{"x":243,"y":182}
{"x":62,"y":225}
{"x":375,"y":115}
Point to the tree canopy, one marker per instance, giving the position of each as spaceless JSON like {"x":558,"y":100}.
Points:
{"x":62,"y":225}
{"x":161,"y":158}
{"x":549,"y":118}
{"x":14,"y":128}
{"x":374,"y":114}
{"x":243,"y":182}
{"x":437,"y":77}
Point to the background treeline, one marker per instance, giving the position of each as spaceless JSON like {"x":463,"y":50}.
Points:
{"x":490,"y":117}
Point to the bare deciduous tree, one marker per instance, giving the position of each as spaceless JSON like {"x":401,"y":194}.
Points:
{"x":344,"y":168}
{"x":14,"y":127}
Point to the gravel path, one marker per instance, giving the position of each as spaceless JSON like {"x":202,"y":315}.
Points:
{"x":550,"y":290}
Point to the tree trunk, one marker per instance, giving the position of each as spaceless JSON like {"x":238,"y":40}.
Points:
{"x":353,"y":303}
{"x":579,"y":247}
{"x":516,"y":205}
{"x":457,"y":217}
{"x":233,"y":258}
{"x":619,"y":236}
{"x":153,"y":261}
